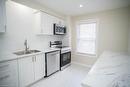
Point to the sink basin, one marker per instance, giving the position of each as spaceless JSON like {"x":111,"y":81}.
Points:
{"x":26,"y":52}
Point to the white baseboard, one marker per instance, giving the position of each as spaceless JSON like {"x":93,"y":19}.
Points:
{"x":85,"y":65}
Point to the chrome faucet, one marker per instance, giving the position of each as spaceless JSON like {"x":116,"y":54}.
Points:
{"x":26,"y":46}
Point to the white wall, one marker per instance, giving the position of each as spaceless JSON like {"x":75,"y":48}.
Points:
{"x":21,"y":26}
{"x":129,"y":33}
{"x":129,"y":42}
{"x":129,"y":36}
{"x":67,"y":37}
{"x":112,"y":33}
{"x":33,"y":4}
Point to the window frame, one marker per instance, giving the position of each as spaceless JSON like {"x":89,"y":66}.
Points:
{"x":89,"y":21}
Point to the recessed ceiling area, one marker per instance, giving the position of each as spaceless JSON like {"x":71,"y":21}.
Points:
{"x":78,"y":7}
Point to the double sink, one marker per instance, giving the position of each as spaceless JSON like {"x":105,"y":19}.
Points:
{"x":26,"y":52}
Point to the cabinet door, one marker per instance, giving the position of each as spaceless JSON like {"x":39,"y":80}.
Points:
{"x":2,"y":16}
{"x":26,"y":71}
{"x":55,"y":20}
{"x":51,"y":23}
{"x":43,"y":23}
{"x":62,"y":22}
{"x":47,"y":24}
{"x":38,"y":22}
{"x":39,"y":66}
{"x":9,"y":74}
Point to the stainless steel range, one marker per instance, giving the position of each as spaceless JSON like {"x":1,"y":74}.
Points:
{"x":65,"y":53}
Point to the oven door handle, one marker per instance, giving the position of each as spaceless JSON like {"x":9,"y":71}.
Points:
{"x":65,"y":52}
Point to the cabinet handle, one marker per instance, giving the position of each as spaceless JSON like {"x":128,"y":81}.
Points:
{"x":53,"y":53}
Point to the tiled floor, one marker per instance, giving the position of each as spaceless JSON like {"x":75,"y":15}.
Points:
{"x":69,"y":77}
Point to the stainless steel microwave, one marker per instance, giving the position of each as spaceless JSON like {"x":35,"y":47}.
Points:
{"x":59,"y":30}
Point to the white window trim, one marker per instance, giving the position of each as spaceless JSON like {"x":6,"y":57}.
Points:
{"x":77,"y":34}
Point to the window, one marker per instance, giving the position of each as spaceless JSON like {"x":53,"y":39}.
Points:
{"x":87,"y":37}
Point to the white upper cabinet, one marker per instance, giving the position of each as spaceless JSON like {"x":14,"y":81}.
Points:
{"x":2,"y":16}
{"x":47,"y":24}
{"x":44,"y":23}
{"x":58,"y":21}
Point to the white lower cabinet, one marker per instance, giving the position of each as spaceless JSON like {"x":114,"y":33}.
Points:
{"x":26,"y":71}
{"x":9,"y":74}
{"x":31,"y":69}
{"x":39,"y":66}
{"x":22,"y":72}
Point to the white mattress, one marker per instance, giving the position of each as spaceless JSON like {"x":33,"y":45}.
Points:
{"x":110,"y":70}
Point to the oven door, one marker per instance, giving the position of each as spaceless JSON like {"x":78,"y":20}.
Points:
{"x":65,"y":58}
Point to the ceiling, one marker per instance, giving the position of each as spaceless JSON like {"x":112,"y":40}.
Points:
{"x":71,"y":7}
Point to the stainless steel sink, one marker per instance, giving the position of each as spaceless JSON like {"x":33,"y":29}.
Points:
{"x":26,"y":52}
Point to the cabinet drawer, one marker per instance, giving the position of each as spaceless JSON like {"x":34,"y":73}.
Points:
{"x":8,"y":74}
{"x":4,"y":68}
{"x":4,"y":75}
{"x":5,"y":80}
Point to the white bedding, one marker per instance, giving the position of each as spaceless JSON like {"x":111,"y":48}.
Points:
{"x":110,"y":70}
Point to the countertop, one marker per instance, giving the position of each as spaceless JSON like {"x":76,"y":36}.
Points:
{"x":8,"y":56}
{"x":110,"y":70}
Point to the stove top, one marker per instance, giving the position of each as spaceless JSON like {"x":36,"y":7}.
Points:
{"x":61,"y":46}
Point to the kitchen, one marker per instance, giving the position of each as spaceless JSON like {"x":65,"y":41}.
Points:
{"x":42,"y":45}
{"x":26,"y":48}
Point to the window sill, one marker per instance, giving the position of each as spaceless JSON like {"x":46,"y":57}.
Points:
{"x":87,"y":55}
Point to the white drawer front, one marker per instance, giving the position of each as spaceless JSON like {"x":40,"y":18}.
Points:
{"x":8,"y":74}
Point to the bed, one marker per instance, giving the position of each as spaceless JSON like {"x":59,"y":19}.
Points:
{"x":111,"y":70}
